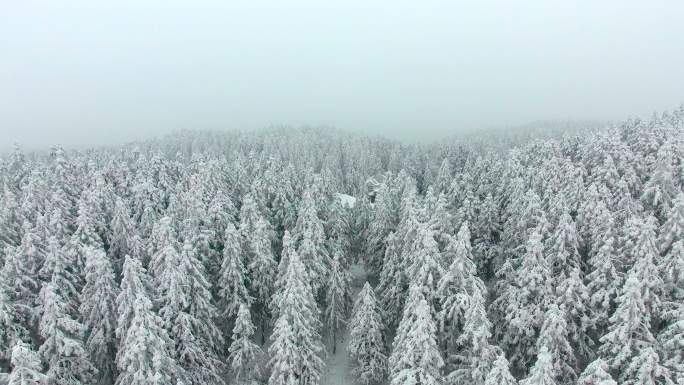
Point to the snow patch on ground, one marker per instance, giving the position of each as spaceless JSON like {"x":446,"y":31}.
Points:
{"x":346,"y":200}
{"x":338,"y":368}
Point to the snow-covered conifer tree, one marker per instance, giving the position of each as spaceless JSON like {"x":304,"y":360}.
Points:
{"x":122,"y":230}
{"x":189,"y":315}
{"x":11,"y":328}
{"x":415,"y":357}
{"x":596,"y":373}
{"x":134,"y":282}
{"x":554,"y":337}
{"x":144,"y":354}
{"x":26,"y":366}
{"x":244,"y":354}
{"x":425,"y":268}
{"x":366,"y":341}
{"x":660,"y":190}
{"x":98,"y":311}
{"x":337,"y":298}
{"x":542,"y":373}
{"x":630,"y":326}
{"x":458,"y":283}
{"x":262,"y":268}
{"x":232,"y":289}
{"x":62,"y":349}
{"x":500,"y":373}
{"x":296,"y":346}
{"x":525,"y":302}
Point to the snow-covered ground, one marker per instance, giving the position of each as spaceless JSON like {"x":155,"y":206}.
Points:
{"x":346,"y":200}
{"x":338,"y":366}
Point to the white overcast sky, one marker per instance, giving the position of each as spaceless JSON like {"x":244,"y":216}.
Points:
{"x":92,"y":72}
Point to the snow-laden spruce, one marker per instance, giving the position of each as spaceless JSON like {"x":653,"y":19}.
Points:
{"x":296,"y":347}
{"x":415,"y":355}
{"x":26,"y":366}
{"x":244,"y":354}
{"x":367,"y":346}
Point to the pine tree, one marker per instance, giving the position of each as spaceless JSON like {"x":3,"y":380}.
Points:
{"x":99,"y":312}
{"x":62,"y":350}
{"x":425,"y":269}
{"x":542,"y":373}
{"x":554,"y":337}
{"x":366,"y":343}
{"x":144,"y":357}
{"x":244,"y":354}
{"x":563,"y":253}
{"x":500,"y":374}
{"x":596,"y":373}
{"x":122,"y":231}
{"x":660,"y":190}
{"x":296,"y":343}
{"x":134,"y":282}
{"x":262,"y":269}
{"x":27,"y":369}
{"x":189,"y":315}
{"x":671,"y":340}
{"x":525,"y":302}
{"x":233,"y":276}
{"x":415,"y":357}
{"x":59,"y":269}
{"x":645,"y":369}
{"x":673,"y":229}
{"x":338,"y":297}
{"x":671,"y":268}
{"x":310,"y":239}
{"x":644,"y":253}
{"x":11,"y":329}
{"x":163,"y":246}
{"x":630,"y":325}
{"x":393,"y":282}
{"x":457,"y":285}
{"x":603,"y":281}
{"x":573,"y":297}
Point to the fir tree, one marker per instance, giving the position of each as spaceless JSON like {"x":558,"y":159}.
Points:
{"x":262,"y":269}
{"x":338,"y":297}
{"x":542,"y":373}
{"x":525,"y":303}
{"x":26,"y":366}
{"x":144,"y":357}
{"x":62,"y":350}
{"x":596,"y":373}
{"x":630,"y":325}
{"x":189,"y":316}
{"x":134,"y":282}
{"x":603,"y":281}
{"x":393,"y":282}
{"x":244,"y":354}
{"x":500,"y":374}
{"x":415,"y":357}
{"x":554,"y":337}
{"x":645,"y":369}
{"x":296,"y":343}
{"x":99,"y":313}
{"x":12,"y":330}
{"x":233,"y":276}
{"x":425,"y":269}
{"x":366,"y":343}
{"x":122,"y":231}
{"x":457,"y":285}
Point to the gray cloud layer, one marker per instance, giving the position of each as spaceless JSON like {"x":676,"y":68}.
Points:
{"x":91,"y":72}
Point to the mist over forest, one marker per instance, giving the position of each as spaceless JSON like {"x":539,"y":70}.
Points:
{"x":341,"y":192}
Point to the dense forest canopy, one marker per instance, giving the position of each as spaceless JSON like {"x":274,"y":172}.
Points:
{"x":547,"y":256}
